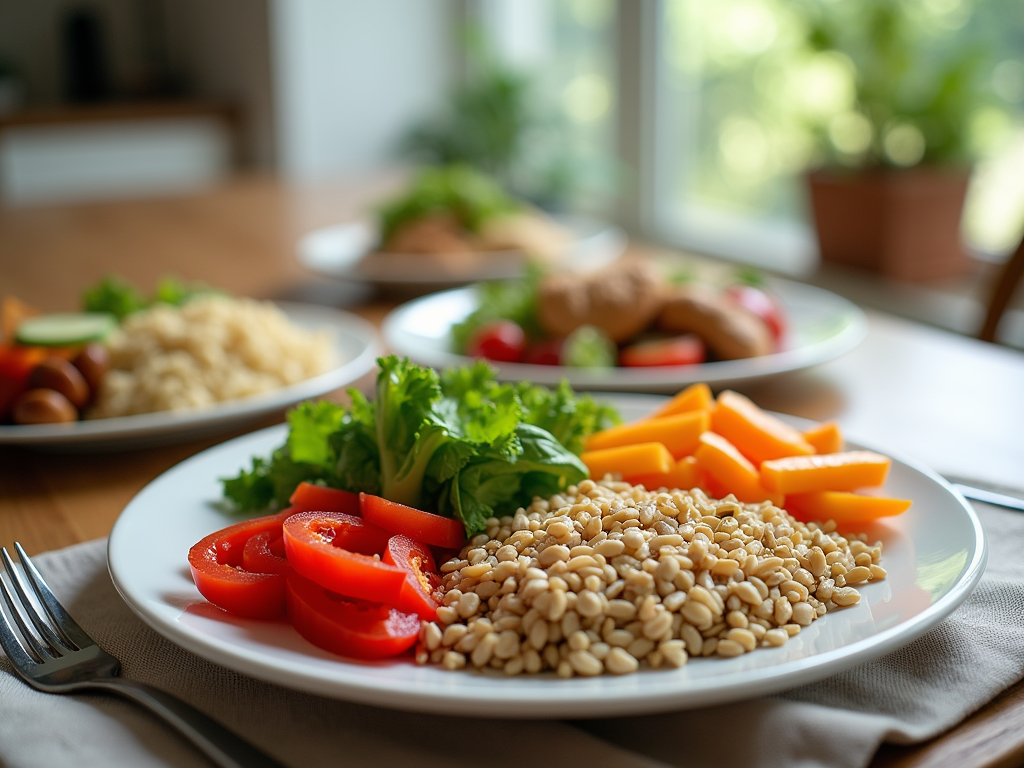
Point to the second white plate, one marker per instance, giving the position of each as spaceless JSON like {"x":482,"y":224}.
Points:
{"x":345,"y":251}
{"x":934,"y":555}
{"x":822,"y":326}
{"x":356,"y":349}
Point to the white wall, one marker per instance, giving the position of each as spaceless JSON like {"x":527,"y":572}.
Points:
{"x":222,"y":51}
{"x":351,"y":75}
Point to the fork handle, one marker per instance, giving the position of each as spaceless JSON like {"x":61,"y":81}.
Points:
{"x":222,"y":746}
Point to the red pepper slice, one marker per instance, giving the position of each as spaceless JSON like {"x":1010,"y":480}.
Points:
{"x":421,"y":580}
{"x":355,"y":628}
{"x":422,"y":526}
{"x":264,"y":553}
{"x":309,"y":496}
{"x":218,"y":572}
{"x":342,"y":553}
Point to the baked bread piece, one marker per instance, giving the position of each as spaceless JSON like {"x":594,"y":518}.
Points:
{"x":730,"y":331}
{"x":621,"y":300}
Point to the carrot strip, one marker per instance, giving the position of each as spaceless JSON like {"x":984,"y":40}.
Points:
{"x":732,"y":470}
{"x":843,"y":507}
{"x":683,"y":476}
{"x":696,"y":397}
{"x":757,"y":434}
{"x":679,"y":433}
{"x":825,"y":437}
{"x":629,"y":460}
{"x":825,"y":472}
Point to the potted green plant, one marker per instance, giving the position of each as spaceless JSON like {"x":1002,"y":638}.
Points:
{"x":893,"y":168}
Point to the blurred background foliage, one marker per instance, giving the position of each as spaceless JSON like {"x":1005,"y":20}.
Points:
{"x":774,"y":87}
{"x":531,"y":125}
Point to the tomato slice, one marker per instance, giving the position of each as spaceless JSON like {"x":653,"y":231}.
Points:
{"x":762,"y":304}
{"x":342,"y":553}
{"x":500,"y":340}
{"x":355,"y":628}
{"x":422,"y":526}
{"x":264,"y":553}
{"x":309,"y":496}
{"x":680,"y":350}
{"x":421,"y":580}
{"x":219,"y":574}
{"x":546,"y":352}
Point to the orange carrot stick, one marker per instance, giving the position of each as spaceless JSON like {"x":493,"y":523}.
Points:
{"x":732,"y":470}
{"x":843,"y":507}
{"x":825,"y":437}
{"x":680,"y":433}
{"x":696,"y":397}
{"x":629,"y":460}
{"x":825,"y":472}
{"x":756,"y":433}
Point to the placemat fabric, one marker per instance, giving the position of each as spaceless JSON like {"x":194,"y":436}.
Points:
{"x":907,"y":696}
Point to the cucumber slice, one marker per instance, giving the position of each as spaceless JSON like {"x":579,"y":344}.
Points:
{"x":66,"y":329}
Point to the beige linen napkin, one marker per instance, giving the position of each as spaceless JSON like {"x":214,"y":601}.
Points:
{"x":910,"y":695}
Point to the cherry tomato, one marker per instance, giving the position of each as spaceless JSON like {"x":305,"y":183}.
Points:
{"x":221,"y":578}
{"x":679,"y":350}
{"x":500,"y":340}
{"x":421,"y":580}
{"x":342,"y":553}
{"x":348,"y":627}
{"x":309,"y":496}
{"x":546,"y":352}
{"x":422,"y":526}
{"x":762,"y":304}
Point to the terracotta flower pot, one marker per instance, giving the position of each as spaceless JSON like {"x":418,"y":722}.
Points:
{"x":904,"y":224}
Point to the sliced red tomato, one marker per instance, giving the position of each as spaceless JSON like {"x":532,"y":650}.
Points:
{"x":264,"y":553}
{"x":348,"y":627}
{"x":422,"y":526}
{"x":762,"y":304}
{"x":221,"y":578}
{"x":342,"y":553}
{"x":421,"y":580}
{"x":679,"y":350}
{"x":501,"y":340}
{"x":309,"y":496}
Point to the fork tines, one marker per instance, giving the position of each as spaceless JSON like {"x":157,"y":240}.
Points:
{"x":53,"y":633}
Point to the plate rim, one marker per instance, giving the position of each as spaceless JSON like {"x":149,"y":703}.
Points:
{"x":162,"y":423}
{"x":520,"y":703}
{"x":718,"y":372}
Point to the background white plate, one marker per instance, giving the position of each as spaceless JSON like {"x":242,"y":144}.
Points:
{"x":356,"y":347}
{"x":822,"y":326}
{"x":934,"y":554}
{"x":338,"y":251}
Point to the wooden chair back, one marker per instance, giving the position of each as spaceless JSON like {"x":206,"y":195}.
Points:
{"x":1002,"y":292}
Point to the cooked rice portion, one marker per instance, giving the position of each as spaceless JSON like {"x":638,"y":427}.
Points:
{"x":210,"y":350}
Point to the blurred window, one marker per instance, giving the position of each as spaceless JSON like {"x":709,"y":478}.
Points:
{"x":740,"y":90}
{"x":730,"y":91}
{"x":567,"y":48}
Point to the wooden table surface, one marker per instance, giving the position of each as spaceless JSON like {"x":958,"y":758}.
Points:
{"x":953,"y":403}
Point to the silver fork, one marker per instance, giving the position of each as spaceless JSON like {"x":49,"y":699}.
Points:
{"x":55,"y":655}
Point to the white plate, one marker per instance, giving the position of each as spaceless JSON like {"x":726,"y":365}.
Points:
{"x":339,"y":251}
{"x":934,"y":554}
{"x":356,"y":347}
{"x":822,"y":326}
